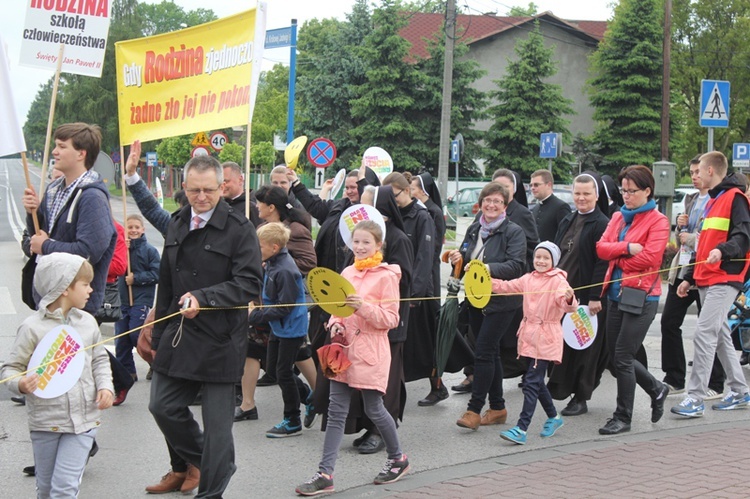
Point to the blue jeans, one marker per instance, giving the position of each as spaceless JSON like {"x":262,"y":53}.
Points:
{"x":132,"y":318}
{"x":534,"y":388}
{"x":488,"y":369}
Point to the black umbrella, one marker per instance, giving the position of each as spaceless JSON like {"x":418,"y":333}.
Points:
{"x":446,"y":329}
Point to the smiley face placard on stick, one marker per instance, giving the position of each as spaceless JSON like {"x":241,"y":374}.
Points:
{"x":477,"y":284}
{"x":329,"y":290}
{"x":293,"y":150}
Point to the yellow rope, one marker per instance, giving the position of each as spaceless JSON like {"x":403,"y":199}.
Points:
{"x":306,"y":304}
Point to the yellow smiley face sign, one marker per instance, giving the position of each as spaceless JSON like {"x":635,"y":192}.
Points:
{"x":293,"y":150}
{"x":477,"y":284}
{"x":329,"y":290}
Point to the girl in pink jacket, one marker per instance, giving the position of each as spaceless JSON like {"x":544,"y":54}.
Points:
{"x":376,"y":304}
{"x":547,"y":296}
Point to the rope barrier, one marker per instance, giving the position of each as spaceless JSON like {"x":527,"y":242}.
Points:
{"x":307,"y":304}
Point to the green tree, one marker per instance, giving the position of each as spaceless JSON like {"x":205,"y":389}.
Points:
{"x":35,"y":128}
{"x":330,"y":69}
{"x":232,"y":151}
{"x":626,"y":91}
{"x":709,"y":42}
{"x":526,"y":106}
{"x":263,"y":155}
{"x":468,"y":105}
{"x":388,"y":101}
{"x":269,"y":116}
{"x":175,"y":151}
{"x":529,"y":11}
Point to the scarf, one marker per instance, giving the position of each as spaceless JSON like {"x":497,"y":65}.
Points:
{"x":485,"y":228}
{"x":628,"y":215}
{"x":370,"y":262}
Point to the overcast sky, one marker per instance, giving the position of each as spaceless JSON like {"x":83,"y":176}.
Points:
{"x":25,"y":81}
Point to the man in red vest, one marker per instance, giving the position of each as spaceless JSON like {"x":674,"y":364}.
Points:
{"x":721,"y":261}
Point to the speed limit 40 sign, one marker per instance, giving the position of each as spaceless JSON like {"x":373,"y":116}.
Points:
{"x":218,"y":140}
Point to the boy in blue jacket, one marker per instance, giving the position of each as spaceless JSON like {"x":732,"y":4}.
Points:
{"x":283,"y":284}
{"x":142,"y":279}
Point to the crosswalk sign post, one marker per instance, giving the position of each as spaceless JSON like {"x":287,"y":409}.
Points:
{"x":549,"y":146}
{"x":714,"y":110}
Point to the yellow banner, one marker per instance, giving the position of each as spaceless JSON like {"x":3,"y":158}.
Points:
{"x":200,"y":78}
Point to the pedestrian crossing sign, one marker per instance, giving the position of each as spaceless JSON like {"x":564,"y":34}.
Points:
{"x":714,"y":112}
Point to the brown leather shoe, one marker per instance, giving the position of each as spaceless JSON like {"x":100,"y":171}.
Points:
{"x":191,"y":480}
{"x":171,"y":482}
{"x":494,"y":416}
{"x":469,"y":420}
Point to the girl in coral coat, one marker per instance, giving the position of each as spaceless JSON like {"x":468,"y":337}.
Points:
{"x":375,"y":304}
{"x":547,"y":296}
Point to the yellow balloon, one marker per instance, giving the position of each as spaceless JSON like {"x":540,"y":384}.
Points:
{"x":478,"y":284}
{"x":329,"y":290}
{"x":293,"y":150}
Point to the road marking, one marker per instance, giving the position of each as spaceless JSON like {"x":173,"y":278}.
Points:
{"x":6,"y":304}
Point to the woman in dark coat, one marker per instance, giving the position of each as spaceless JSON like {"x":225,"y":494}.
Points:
{"x":501,"y":245}
{"x":581,"y":370}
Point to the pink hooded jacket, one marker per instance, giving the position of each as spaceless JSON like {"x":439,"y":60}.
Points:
{"x":367,"y":328}
{"x":540,"y":336}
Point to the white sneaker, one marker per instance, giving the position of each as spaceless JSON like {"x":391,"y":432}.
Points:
{"x":674,"y":391}
{"x":712,"y":395}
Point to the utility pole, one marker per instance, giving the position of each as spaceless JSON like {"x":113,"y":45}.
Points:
{"x":445,"y":114}
{"x":667,"y":51}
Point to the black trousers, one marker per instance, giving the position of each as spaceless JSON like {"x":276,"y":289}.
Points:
{"x":212,"y":450}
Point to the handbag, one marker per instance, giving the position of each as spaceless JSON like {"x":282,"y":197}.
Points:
{"x":110,"y":309}
{"x":332,"y":357}
{"x":27,"y":283}
{"x":632,"y":300}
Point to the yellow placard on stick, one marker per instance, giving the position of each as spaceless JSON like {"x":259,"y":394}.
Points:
{"x":200,"y":78}
{"x":293,"y":150}
{"x":478,"y":284}
{"x":329,"y":290}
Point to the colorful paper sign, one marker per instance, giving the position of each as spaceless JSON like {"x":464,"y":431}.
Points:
{"x":355,"y":214}
{"x":293,"y":150}
{"x":81,"y":26}
{"x":329,"y":290}
{"x":200,"y":78}
{"x":579,"y":328}
{"x":378,"y":160}
{"x":58,"y":349}
{"x":478,"y":284}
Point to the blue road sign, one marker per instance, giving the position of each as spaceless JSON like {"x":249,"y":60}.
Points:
{"x":714,"y":111}
{"x":455,"y":151}
{"x":548,"y":145}
{"x":741,"y":155}
{"x":276,"y":38}
{"x":321,"y":153}
{"x":151,"y":159}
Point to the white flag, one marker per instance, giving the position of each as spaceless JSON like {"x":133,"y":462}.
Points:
{"x":12,"y":141}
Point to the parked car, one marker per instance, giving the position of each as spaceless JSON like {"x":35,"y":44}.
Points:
{"x":463,"y":205}
{"x":678,"y":201}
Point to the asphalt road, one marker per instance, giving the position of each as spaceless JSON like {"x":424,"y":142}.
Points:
{"x":133,"y":453}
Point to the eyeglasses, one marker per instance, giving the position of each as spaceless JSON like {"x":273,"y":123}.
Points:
{"x":537,"y":184}
{"x":397,"y":194}
{"x":629,"y":192}
{"x":497,"y":202}
{"x":206,"y":191}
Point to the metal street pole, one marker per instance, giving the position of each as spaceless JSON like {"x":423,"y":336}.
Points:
{"x":445,"y":115}
{"x":667,"y":49}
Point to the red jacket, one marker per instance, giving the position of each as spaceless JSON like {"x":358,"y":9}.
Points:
{"x":119,"y":264}
{"x":650,"y":229}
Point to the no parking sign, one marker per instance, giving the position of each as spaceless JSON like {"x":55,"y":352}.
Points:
{"x":321,"y":153}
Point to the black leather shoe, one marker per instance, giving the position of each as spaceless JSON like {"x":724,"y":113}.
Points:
{"x":464,"y":387}
{"x":575,"y":408}
{"x":614,"y":426}
{"x":20,"y":400}
{"x":266,"y":380}
{"x":373,"y":444}
{"x":250,"y":414}
{"x":434,"y":397}
{"x":358,"y":441}
{"x":30,"y":470}
{"x":657,"y":404}
{"x":745,"y":358}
